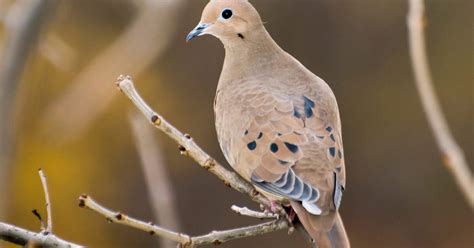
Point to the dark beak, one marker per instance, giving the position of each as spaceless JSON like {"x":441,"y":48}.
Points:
{"x":197,"y":31}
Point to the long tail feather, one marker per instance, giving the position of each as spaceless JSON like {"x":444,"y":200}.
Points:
{"x":327,"y":231}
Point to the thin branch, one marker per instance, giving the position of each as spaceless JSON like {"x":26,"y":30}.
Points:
{"x":116,"y":217}
{"x":215,"y":237}
{"x":23,"y":23}
{"x":254,"y":214}
{"x":45,"y":238}
{"x":160,"y":190}
{"x":20,"y":236}
{"x":188,"y":147}
{"x":453,"y":156}
{"x":49,"y":223}
{"x":219,"y":237}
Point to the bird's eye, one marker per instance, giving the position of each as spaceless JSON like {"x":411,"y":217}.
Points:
{"x":227,"y":13}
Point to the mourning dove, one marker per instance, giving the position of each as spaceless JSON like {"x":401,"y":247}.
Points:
{"x":278,"y":124}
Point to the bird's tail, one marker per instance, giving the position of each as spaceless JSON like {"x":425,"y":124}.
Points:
{"x":327,"y":231}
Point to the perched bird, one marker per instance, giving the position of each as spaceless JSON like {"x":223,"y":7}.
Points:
{"x":278,"y":124}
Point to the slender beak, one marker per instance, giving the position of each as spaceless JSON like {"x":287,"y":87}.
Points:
{"x":197,"y":31}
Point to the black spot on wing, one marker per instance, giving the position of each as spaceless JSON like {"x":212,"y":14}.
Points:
{"x":329,"y":129}
{"x":308,"y":102}
{"x":252,"y":145}
{"x":274,"y":147}
{"x":293,"y":148}
{"x":308,"y":107}
{"x":332,"y":151}
{"x":260,"y":135}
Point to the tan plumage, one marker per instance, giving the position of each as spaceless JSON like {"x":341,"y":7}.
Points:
{"x":278,"y":124}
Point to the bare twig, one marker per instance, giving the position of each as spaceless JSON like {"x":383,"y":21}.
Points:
{"x":49,"y":223}
{"x":65,"y":119}
{"x":160,"y":191}
{"x":188,"y":147}
{"x":215,"y":237}
{"x":254,"y":214}
{"x":20,"y":236}
{"x":219,"y":237}
{"x":453,"y":156}
{"x":23,"y":23}
{"x":88,"y":202}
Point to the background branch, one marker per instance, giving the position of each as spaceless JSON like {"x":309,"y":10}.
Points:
{"x":215,"y":237}
{"x":453,"y":156}
{"x":160,"y":190}
{"x":64,"y":118}
{"x":23,"y":23}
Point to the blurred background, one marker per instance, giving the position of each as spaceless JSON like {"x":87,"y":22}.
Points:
{"x":68,"y":117}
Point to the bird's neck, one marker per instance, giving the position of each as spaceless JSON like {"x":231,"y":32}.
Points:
{"x":251,"y":56}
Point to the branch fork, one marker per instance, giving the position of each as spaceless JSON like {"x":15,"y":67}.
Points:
{"x":45,"y":238}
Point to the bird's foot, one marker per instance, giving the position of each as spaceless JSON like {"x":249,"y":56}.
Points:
{"x":272,"y":209}
{"x":273,"y":206}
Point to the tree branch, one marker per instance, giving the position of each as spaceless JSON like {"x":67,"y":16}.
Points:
{"x":20,"y":236}
{"x":453,"y":156}
{"x":116,"y":217}
{"x":215,"y":237}
{"x":189,"y":148}
{"x":49,"y":223}
{"x":45,"y":238}
{"x":254,"y":214}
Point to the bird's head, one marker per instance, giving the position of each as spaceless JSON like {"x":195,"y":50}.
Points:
{"x":228,"y":20}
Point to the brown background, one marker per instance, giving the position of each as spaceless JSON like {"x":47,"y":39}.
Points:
{"x":398,"y":192}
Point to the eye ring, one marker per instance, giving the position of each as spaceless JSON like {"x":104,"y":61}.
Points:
{"x":226,"y":13}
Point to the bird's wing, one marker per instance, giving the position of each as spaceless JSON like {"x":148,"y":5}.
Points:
{"x":295,"y":149}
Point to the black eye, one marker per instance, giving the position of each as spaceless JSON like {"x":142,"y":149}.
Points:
{"x":227,"y":13}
